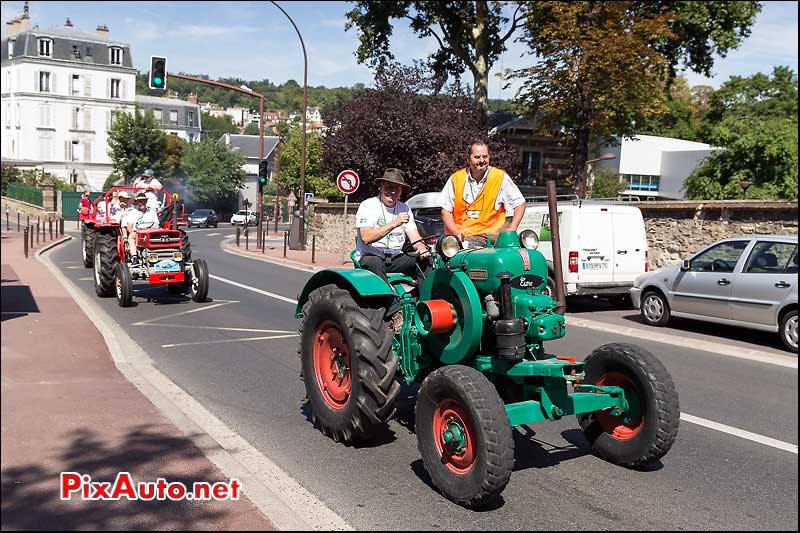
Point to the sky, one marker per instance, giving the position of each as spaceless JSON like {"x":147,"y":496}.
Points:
{"x":255,"y":41}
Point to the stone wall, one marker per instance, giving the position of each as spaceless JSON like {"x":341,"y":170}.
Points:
{"x":13,"y":206}
{"x":674,"y":229}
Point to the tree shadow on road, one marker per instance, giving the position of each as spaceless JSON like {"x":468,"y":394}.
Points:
{"x":31,"y":498}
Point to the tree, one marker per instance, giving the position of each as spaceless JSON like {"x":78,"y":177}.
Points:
{"x":470,"y":34}
{"x":135,"y":143}
{"x":211,"y":172}
{"x":174,"y":150}
{"x":605,"y":65}
{"x":320,"y":183}
{"x":606,"y":184}
{"x":251,"y":129}
{"x":680,"y":121}
{"x":216,"y":127}
{"x":754,"y":120}
{"x":394,"y":126}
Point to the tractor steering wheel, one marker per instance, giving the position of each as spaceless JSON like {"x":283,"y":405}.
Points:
{"x":408,"y":247}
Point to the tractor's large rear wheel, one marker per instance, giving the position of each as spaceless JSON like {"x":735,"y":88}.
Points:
{"x":348,"y":364}
{"x":646,"y":431}
{"x":105,"y":263}
{"x":87,"y":245}
{"x":464,"y":435}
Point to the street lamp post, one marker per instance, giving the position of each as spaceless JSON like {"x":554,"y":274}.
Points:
{"x":582,"y":190}
{"x":246,"y":90}
{"x":303,"y":149}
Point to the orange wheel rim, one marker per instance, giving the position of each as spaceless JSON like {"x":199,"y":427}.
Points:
{"x":332,"y":365}
{"x":457,"y":454}
{"x":615,"y":425}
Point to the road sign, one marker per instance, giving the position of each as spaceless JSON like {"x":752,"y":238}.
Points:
{"x":307,"y":197}
{"x":290,"y":201}
{"x":347,"y":181}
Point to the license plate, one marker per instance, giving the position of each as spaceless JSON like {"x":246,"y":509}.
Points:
{"x":591,"y":265}
{"x":167,"y":265}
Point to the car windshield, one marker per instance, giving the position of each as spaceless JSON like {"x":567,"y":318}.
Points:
{"x":243,"y":213}
{"x":201,"y":213}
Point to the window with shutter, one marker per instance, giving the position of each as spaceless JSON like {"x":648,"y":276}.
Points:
{"x":87,"y":151}
{"x":75,"y":90}
{"x":76,"y":154}
{"x":87,"y":119}
{"x":76,"y":115}
{"x":19,"y":113}
{"x":87,"y":85}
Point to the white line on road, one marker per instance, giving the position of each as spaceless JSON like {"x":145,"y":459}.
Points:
{"x":230,"y":340}
{"x":90,"y":278}
{"x":740,"y":433}
{"x":213,"y":234}
{"x":695,"y":344}
{"x":197,"y":310}
{"x":258,"y":291}
{"x":220,"y":328}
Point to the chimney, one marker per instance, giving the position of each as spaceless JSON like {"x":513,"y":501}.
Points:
{"x":15,"y":26}
{"x":192,"y":98}
{"x":102,"y":30}
{"x":68,"y":23}
{"x":10,"y":28}
{"x":25,"y":21}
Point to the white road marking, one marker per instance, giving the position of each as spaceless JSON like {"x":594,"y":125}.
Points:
{"x":253,"y":289}
{"x":90,"y":278}
{"x":79,"y":266}
{"x":223,"y":329}
{"x":730,"y":430}
{"x":231,"y":340}
{"x":196,"y":310}
{"x":213,"y":234}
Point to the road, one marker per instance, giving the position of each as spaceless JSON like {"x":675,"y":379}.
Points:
{"x":237,"y":356}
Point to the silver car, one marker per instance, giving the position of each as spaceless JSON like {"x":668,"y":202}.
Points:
{"x":748,"y":281}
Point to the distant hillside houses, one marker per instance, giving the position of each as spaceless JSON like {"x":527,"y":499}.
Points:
{"x":243,"y":117}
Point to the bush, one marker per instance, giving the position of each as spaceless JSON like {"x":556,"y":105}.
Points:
{"x":606,"y":184}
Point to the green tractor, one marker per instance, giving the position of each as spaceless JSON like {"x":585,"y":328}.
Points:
{"x":473,"y":335}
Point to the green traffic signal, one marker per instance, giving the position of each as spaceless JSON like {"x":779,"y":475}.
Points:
{"x":157,"y":81}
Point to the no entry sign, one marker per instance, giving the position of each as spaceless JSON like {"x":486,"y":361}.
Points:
{"x":347,"y":181}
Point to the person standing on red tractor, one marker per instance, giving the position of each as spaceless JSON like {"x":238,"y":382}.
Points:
{"x":85,"y":202}
{"x":477,"y":199}
{"x":152,"y":186}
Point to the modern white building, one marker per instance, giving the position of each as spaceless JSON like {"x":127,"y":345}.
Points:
{"x":60,"y":87}
{"x":655,"y":167}
{"x":176,"y":117}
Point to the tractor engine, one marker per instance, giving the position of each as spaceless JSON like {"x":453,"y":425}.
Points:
{"x":161,"y":251}
{"x":495,"y":295}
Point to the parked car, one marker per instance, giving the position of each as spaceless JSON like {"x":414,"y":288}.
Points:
{"x":749,"y":282}
{"x":244,"y":217}
{"x":427,"y":213}
{"x":603,"y":246}
{"x":203,"y":218}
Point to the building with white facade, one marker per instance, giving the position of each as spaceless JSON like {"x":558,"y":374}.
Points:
{"x":60,"y":87}
{"x":176,"y":117}
{"x":655,"y":167}
{"x":247,"y":145}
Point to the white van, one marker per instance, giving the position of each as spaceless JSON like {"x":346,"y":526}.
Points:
{"x":603,"y":246}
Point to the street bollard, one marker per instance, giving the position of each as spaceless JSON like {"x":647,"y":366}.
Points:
{"x":8,"y":225}
{"x":37,"y":231}
{"x":61,"y":226}
{"x":26,"y":242}
{"x":50,"y":224}
{"x":27,"y":221}
{"x":285,"y":242}
{"x":17,"y":220}
{"x":247,"y":239}
{"x":264,"y":240}
{"x":313,"y":248}
{"x":30,"y":233}
{"x":238,"y":231}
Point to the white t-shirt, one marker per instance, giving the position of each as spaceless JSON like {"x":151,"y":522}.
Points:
{"x":152,"y":197}
{"x":130,"y":217}
{"x":509,"y":194}
{"x":373,"y":214}
{"x":148,"y":220}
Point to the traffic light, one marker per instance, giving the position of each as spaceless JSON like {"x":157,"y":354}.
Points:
{"x":263,"y":172}
{"x":158,"y":72}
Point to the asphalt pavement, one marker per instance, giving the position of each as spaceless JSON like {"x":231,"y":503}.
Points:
{"x":734,"y":465}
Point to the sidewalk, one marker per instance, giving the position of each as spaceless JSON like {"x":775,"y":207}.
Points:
{"x":66,"y":408}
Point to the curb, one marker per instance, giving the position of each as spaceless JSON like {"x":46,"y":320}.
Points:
{"x":279,"y":498}
{"x":231,"y":249}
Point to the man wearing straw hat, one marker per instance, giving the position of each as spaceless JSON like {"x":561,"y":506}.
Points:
{"x":383,"y":223}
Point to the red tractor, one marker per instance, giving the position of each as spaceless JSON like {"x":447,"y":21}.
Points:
{"x":164,"y":255}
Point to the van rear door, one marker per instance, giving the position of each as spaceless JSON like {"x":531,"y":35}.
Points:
{"x":595,"y":245}
{"x":630,"y":244}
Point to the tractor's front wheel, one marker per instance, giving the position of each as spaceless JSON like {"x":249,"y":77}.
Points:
{"x":464,"y":435}
{"x":348,"y":364}
{"x":199,"y":281}
{"x":646,"y":431}
{"x":105,"y":263}
{"x":123,"y":283}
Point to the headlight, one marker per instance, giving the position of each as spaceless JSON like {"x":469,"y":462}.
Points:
{"x":177,"y":256}
{"x":529,"y":239}
{"x":448,"y":246}
{"x":153,"y":258}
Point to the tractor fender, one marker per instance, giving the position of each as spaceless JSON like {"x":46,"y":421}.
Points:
{"x":359,"y":282}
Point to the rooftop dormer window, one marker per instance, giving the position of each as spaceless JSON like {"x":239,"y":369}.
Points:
{"x":45,"y":47}
{"x":115,"y":55}
{"x":11,"y":43}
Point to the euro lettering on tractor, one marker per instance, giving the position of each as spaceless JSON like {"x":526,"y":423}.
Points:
{"x":473,"y":335}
